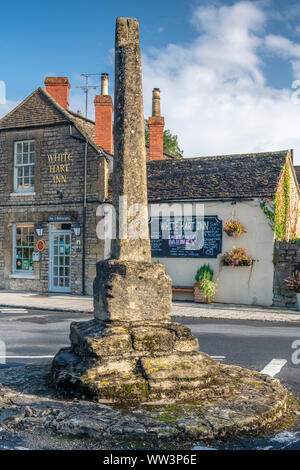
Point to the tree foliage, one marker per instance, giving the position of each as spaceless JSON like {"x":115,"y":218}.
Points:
{"x":171,"y":145}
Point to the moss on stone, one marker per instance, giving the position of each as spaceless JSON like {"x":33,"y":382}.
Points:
{"x":128,"y":393}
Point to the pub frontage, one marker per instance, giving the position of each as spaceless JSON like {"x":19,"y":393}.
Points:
{"x":52,"y":175}
{"x":55,"y":167}
{"x":245,"y":190}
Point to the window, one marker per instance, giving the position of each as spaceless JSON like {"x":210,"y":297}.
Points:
{"x":24,"y":159}
{"x":23,"y":249}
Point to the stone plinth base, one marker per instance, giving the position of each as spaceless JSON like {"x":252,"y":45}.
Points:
{"x":132,"y":291}
{"x":240,"y":403}
{"x":133,"y":362}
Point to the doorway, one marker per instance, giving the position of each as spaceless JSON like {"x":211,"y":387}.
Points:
{"x":60,"y":260}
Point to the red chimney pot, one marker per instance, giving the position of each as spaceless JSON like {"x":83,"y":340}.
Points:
{"x":103,"y":117}
{"x":58,"y":88}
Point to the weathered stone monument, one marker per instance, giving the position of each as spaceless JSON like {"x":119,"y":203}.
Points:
{"x":131,"y":353}
{"x":131,"y":350}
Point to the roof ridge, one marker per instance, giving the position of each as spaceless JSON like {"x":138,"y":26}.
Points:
{"x":54,"y":102}
{"x":237,"y":155}
{"x":19,"y":105}
{"x":80,"y":116}
{"x":68,"y":114}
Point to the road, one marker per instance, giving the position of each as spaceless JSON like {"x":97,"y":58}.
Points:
{"x":250,"y":344}
{"x":32,"y":336}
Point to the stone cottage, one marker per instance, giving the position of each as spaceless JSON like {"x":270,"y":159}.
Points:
{"x":259,"y":190}
{"x":52,"y":169}
{"x":54,"y":166}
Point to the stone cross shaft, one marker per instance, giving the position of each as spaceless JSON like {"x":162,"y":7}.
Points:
{"x":129,"y":177}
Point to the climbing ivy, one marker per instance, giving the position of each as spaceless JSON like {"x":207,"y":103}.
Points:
{"x":282,"y":200}
{"x":269,"y":213}
{"x":279,"y":216}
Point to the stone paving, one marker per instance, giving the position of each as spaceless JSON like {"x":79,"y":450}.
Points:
{"x":73,"y":303}
{"x":234,"y":312}
{"x":56,"y":302}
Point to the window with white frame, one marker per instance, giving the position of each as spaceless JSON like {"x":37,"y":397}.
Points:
{"x":24,"y":161}
{"x":23,"y":248}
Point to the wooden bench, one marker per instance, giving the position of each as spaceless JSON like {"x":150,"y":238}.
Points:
{"x":185,"y":289}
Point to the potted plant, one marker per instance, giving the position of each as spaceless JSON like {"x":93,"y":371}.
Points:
{"x":205,"y":287}
{"x":234,"y":228}
{"x":293,"y":283}
{"x":237,"y":257}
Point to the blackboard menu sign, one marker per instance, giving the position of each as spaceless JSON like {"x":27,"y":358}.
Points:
{"x":188,"y":237}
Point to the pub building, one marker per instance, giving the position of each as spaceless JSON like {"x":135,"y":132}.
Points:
{"x":56,"y":169}
{"x":52,"y":168}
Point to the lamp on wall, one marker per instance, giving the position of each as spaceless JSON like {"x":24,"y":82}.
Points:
{"x":39,"y":229}
{"x":76,"y":229}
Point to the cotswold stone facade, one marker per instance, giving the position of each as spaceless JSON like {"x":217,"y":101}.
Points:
{"x":286,"y":257}
{"x":48,"y":195}
{"x":48,"y":206}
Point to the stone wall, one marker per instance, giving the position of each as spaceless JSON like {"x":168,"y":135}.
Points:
{"x":286,"y":256}
{"x":45,"y":202}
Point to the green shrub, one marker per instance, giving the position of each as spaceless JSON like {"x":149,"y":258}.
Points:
{"x":204,"y":273}
{"x":208,"y":289}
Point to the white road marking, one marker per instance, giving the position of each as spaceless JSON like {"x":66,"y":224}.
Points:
{"x":274,"y":367}
{"x":25,"y":357}
{"x":13,"y":310}
{"x":218,"y":358}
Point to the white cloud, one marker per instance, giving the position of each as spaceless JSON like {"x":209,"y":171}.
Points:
{"x":282,"y":46}
{"x":214,"y":92}
{"x":215,"y":96}
{"x":7,"y":107}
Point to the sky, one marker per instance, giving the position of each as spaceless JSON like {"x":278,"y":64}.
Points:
{"x":229,"y":71}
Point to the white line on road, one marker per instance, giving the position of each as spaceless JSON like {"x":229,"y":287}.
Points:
{"x":218,"y":358}
{"x":13,"y":310}
{"x":274,"y":367}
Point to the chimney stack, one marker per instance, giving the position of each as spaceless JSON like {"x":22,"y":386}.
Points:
{"x":58,"y":88}
{"x":103,"y":117}
{"x":156,"y":128}
{"x":104,"y":84}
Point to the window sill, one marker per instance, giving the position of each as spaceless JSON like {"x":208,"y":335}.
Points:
{"x":22,"y":276}
{"x":23,"y":194}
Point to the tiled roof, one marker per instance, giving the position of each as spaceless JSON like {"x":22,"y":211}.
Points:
{"x":166,"y":155}
{"x":220,"y":177}
{"x":33,"y":111}
{"x":40,"y":109}
{"x":297,"y":170}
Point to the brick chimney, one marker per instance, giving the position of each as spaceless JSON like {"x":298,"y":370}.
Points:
{"x":103,"y":117}
{"x":58,"y":88}
{"x":156,"y":128}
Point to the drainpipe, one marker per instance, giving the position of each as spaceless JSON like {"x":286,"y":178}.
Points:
{"x":84,"y":218}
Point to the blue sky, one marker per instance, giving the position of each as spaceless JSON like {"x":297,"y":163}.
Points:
{"x":225,"y":68}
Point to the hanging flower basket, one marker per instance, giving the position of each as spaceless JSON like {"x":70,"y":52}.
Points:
{"x":234,"y":228}
{"x":237,"y":257}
